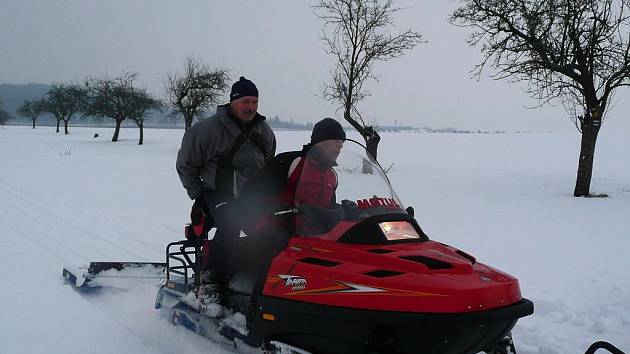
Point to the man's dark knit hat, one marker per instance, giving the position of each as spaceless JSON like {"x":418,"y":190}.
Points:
{"x":325,"y":129}
{"x":242,"y":88}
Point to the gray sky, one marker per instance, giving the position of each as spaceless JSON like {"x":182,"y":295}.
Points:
{"x":276,"y":44}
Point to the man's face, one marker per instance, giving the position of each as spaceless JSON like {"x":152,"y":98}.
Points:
{"x":245,"y":108}
{"x":331,"y":148}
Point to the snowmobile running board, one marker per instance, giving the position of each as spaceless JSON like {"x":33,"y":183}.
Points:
{"x":603,"y":345}
{"x":82,"y":279}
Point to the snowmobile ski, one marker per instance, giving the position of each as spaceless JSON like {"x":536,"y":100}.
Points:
{"x":229,"y":331}
{"x":286,"y":348}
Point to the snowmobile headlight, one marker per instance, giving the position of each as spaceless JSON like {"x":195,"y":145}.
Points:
{"x":398,"y":230}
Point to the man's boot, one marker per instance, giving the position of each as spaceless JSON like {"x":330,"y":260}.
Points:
{"x":213,"y":294}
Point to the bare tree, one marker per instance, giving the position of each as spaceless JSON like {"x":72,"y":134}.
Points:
{"x":140,"y":102}
{"x":572,"y":51}
{"x":31,"y":109}
{"x":117,"y":99}
{"x":196,"y":90}
{"x":64,"y":101}
{"x":4,"y":115}
{"x":356,"y":33}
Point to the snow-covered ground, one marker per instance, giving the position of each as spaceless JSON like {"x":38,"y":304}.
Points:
{"x":506,"y":198}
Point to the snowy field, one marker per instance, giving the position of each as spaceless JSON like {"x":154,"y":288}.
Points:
{"x":505,"y":198}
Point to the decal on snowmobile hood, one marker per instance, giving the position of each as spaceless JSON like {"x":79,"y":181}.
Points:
{"x":376,"y":202}
{"x":295,"y":282}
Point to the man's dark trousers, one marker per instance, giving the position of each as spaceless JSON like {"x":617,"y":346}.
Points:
{"x":226,"y":214}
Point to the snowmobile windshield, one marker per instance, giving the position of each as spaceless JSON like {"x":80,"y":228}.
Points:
{"x":339,"y":181}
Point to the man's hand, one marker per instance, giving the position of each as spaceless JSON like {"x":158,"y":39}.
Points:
{"x":199,"y":215}
{"x":350,"y":209}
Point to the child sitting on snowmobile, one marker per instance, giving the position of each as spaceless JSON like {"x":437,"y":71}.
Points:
{"x":300,"y":183}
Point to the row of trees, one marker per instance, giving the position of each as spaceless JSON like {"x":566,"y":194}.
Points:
{"x":191,"y":94}
{"x":115,"y":98}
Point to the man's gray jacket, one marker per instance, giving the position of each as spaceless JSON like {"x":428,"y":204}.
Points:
{"x":208,"y":144}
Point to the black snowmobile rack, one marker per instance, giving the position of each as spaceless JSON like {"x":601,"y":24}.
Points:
{"x":603,"y":345}
{"x":187,"y":263}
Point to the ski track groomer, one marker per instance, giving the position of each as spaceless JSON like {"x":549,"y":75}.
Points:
{"x":218,"y":155}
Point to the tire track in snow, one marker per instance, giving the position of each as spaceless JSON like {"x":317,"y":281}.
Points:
{"x":52,"y":253}
{"x":50,"y":230}
{"x":66,"y":232}
{"x":129,"y":309}
{"x":54,"y":231}
{"x":45,"y":235}
{"x":53,"y":241}
{"x":62,"y":242}
{"x":570,"y":325}
{"x":16,"y":213}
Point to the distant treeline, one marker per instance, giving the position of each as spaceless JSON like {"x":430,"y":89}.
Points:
{"x":278,"y":123}
{"x":14,"y":95}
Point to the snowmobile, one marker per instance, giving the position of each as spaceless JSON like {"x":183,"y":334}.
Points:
{"x":370,"y":282}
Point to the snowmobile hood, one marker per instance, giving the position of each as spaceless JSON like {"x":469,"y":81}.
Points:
{"x":423,"y":277}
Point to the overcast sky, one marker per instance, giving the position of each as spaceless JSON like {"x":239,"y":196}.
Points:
{"x":276,"y":44}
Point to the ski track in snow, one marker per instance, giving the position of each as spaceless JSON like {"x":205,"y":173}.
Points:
{"x":55,"y":212}
{"x":131,"y":308}
{"x":53,"y":231}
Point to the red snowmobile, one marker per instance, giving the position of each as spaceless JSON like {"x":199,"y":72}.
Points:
{"x":371,"y":283}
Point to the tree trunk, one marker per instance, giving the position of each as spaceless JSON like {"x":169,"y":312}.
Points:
{"x":372,"y":143}
{"x":369,"y":134}
{"x":57,"y":126}
{"x":590,"y":130}
{"x":117,"y":130}
{"x":34,"y":123}
{"x":141,"y":126}
{"x":65,"y":127}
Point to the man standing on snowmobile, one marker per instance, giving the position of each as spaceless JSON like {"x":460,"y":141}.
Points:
{"x":216,"y":158}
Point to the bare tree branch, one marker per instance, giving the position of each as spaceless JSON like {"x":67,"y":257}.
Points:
{"x":196,"y":90}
